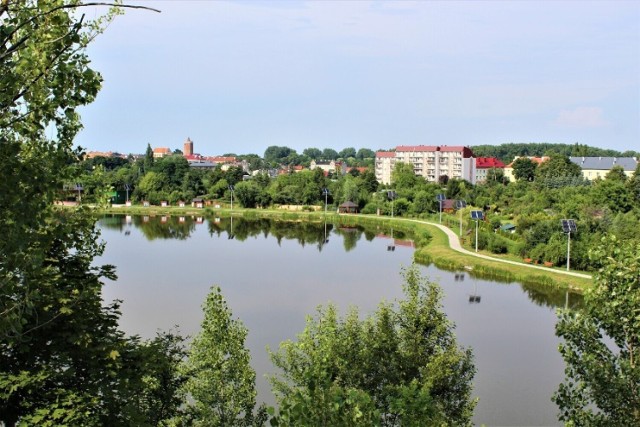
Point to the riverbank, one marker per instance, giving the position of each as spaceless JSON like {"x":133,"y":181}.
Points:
{"x":433,"y":243}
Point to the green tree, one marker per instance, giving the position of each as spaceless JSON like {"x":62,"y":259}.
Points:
{"x":221,"y":382}
{"x":616,"y":174}
{"x":347,"y":152}
{"x":312,"y":153}
{"x":148,"y":159}
{"x":558,"y":166}
{"x":365,"y":153}
{"x":329,"y":154}
{"x":398,"y":366}
{"x":601,"y":343}
{"x":62,"y":359}
{"x":524,"y":169}
{"x":403,"y":176}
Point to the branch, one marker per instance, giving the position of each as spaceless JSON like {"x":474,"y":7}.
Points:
{"x":4,"y":7}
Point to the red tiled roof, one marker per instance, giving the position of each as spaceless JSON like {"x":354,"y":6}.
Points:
{"x":385,"y":154}
{"x":164,"y":150}
{"x":466,"y":151}
{"x":488,"y":162}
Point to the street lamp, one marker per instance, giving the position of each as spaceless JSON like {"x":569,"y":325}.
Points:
{"x":440,"y":198}
{"x":568,"y":226}
{"x":127,"y":187}
{"x":325,"y":192}
{"x":79,"y":188}
{"x":392,"y":195}
{"x":231,"y":188}
{"x":477,"y":216}
{"x":461,"y":204}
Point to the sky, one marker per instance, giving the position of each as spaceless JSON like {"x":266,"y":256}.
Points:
{"x":240,"y":76}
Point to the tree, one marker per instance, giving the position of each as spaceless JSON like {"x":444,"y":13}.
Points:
{"x":601,"y":343}
{"x":329,"y":154}
{"x":312,"y":153}
{"x":365,"y":153}
{"x":616,"y":174}
{"x":524,"y":169}
{"x":399,"y":366}
{"x":403,"y":176}
{"x":148,"y":159}
{"x":276,"y":154}
{"x":62,"y":358}
{"x":558,"y":166}
{"x":347,"y":152}
{"x":221,"y":382}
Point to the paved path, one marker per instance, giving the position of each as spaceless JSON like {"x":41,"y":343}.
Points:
{"x":454,"y":243}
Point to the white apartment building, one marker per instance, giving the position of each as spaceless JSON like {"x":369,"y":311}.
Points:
{"x":430,"y":162}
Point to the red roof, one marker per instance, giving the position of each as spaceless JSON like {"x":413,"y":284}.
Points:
{"x":466,"y":151}
{"x":488,"y":163}
{"x":385,"y":154}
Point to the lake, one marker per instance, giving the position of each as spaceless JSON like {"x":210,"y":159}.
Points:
{"x":273,"y":274}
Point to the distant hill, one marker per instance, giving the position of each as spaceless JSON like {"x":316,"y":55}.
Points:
{"x":506,"y":152}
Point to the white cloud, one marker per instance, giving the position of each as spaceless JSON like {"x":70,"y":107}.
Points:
{"x":582,"y":117}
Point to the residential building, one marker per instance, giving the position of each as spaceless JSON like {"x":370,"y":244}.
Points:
{"x":161,"y":152}
{"x":484,"y":165}
{"x":598,"y":167}
{"x":430,"y":162}
{"x":328,"y":167}
{"x":508,"y":170}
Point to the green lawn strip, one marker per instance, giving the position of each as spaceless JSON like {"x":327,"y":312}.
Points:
{"x":438,"y":252}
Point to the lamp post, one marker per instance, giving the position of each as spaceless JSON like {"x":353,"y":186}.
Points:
{"x":568,"y":226}
{"x":231,"y":188}
{"x":461,"y":204}
{"x":127,"y":187}
{"x":325,"y":192}
{"x":79,"y":188}
{"x":440,"y":198}
{"x":391,"y":194}
{"x":477,"y":216}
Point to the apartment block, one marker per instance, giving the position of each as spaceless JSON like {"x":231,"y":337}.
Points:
{"x":430,"y":162}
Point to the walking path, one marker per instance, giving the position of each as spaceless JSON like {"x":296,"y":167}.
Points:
{"x":454,"y":243}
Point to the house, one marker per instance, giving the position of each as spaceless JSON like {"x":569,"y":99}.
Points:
{"x":164,"y":203}
{"x":348,"y":207}
{"x":327,"y":167}
{"x":161,"y":152}
{"x":484,"y":165}
{"x":448,"y":206}
{"x":431,"y":162}
{"x":508,"y":170}
{"x":599,"y":167}
{"x":197,"y":202}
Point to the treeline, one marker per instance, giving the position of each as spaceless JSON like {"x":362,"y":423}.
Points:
{"x":507,"y":152}
{"x":542,"y":196}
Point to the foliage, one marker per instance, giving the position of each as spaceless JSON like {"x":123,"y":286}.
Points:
{"x":399,"y":366}
{"x":524,"y":169}
{"x":602,"y":384}
{"x":221,"y":382}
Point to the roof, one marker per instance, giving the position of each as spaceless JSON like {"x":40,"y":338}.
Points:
{"x":537,"y":160}
{"x":385,"y":154}
{"x":508,"y":227}
{"x":164,"y":150}
{"x":488,"y":162}
{"x":605,"y":163}
{"x":466,"y":151}
{"x":348,"y":204}
{"x":222,"y":159}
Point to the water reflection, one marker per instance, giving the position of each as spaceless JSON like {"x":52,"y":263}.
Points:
{"x":274,"y":273}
